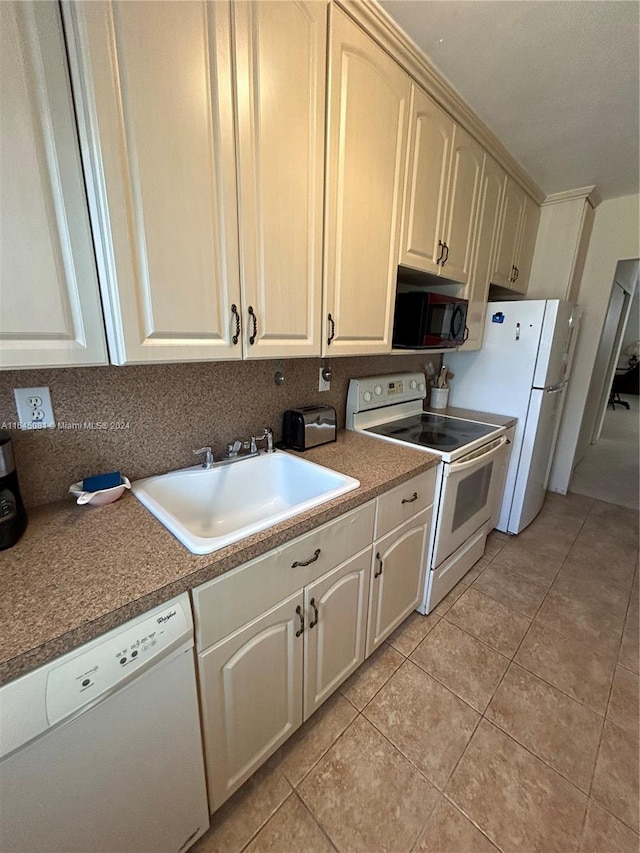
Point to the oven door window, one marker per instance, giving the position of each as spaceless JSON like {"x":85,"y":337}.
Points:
{"x":471,"y":496}
{"x":466,"y":500}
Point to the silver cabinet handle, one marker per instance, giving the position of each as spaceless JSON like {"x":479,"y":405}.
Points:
{"x":414,"y":497}
{"x":307,"y":562}
{"x":301,"y":617}
{"x":377,"y":573}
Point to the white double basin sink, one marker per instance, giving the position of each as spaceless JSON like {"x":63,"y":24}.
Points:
{"x":209,"y":508}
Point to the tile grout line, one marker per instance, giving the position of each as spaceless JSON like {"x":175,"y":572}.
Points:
{"x":315,"y":819}
{"x":265,"y":822}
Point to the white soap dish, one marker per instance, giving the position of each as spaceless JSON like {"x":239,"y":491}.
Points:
{"x":101,"y":497}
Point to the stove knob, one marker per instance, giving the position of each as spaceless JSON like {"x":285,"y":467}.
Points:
{"x":413,"y":384}
{"x":378,"y":390}
{"x":421,"y":386}
{"x":367,"y":396}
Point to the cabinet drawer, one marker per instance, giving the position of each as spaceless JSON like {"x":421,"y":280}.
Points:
{"x":405,"y":501}
{"x":224,"y":604}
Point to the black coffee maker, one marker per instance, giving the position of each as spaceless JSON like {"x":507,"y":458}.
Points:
{"x":13,"y":517}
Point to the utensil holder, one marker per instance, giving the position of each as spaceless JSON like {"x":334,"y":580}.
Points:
{"x":439,"y":398}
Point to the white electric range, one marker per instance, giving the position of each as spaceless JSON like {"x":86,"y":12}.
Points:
{"x":473,"y":458}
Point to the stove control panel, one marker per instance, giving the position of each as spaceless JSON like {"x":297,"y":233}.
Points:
{"x":373,"y":392}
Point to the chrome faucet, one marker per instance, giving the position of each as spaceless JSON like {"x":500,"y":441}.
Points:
{"x":209,"y":461}
{"x":267,"y":438}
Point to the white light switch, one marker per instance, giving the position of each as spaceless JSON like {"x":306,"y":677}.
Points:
{"x":35,"y":410}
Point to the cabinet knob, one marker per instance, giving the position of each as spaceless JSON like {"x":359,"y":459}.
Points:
{"x":441,"y":252}
{"x":316,"y":614}
{"x":414,"y":497}
{"x":301,"y":618}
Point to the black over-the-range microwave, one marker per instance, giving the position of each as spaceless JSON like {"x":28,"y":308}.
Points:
{"x":426,"y":320}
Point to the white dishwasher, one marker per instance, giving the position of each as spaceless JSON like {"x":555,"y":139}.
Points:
{"x":101,"y":750}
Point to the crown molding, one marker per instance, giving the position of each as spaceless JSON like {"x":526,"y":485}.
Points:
{"x":588,"y":194}
{"x":384,"y":30}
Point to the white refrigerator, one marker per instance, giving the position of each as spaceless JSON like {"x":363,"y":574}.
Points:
{"x":522,"y":370}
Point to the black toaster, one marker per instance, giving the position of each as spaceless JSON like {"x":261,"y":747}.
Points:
{"x":308,"y":427}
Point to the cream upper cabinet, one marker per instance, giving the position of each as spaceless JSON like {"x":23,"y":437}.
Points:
{"x":426,"y":185}
{"x":444,"y":167}
{"x":503,"y":272}
{"x":526,"y":245}
{"x":487,"y":232}
{"x":467,"y":159}
{"x":50,"y":312}
{"x":518,"y":230}
{"x":280,"y":51}
{"x":154,"y":83}
{"x":368,"y":107}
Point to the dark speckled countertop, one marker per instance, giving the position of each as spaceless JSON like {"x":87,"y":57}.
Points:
{"x":79,"y":571}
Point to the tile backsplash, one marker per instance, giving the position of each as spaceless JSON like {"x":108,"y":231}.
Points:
{"x":148,"y":419}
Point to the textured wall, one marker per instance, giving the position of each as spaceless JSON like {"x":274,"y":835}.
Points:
{"x":167,"y":411}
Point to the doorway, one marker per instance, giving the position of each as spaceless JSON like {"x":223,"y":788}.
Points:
{"x":609,"y":469}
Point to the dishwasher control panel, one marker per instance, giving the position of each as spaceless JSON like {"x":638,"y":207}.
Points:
{"x":86,"y":676}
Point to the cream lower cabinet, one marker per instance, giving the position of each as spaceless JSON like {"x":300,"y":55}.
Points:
{"x":403,"y":525}
{"x":368,"y":110}
{"x":398,"y":577}
{"x":50,"y":312}
{"x":277,"y":636}
{"x":334,"y":644}
{"x":262,"y":673}
{"x":251,"y":694}
{"x":260,"y":683}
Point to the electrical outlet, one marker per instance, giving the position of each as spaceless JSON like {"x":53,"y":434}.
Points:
{"x":323,"y":384}
{"x":35,"y":410}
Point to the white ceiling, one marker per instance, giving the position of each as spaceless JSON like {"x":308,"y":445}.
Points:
{"x":557,"y":81}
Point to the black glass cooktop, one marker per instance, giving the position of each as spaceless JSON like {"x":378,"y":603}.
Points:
{"x":434,"y":431}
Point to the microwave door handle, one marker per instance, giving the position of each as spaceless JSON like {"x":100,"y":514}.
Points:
{"x":453,"y":332}
{"x":456,"y":467}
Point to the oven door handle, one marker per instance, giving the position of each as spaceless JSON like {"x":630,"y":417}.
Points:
{"x":456,"y":467}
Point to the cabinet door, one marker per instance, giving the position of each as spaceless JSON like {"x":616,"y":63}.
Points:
{"x":467,"y":159}
{"x":511,"y":219}
{"x":368,"y":109}
{"x":157,"y":119}
{"x":336,"y":611}
{"x":526,"y":244}
{"x":427,"y":180}
{"x":399,"y":568}
{"x":280,"y":66}
{"x":488,"y":221}
{"x":51,"y":314}
{"x":251,"y":691}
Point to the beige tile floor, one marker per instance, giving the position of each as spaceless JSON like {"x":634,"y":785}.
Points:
{"x":506,"y":720}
